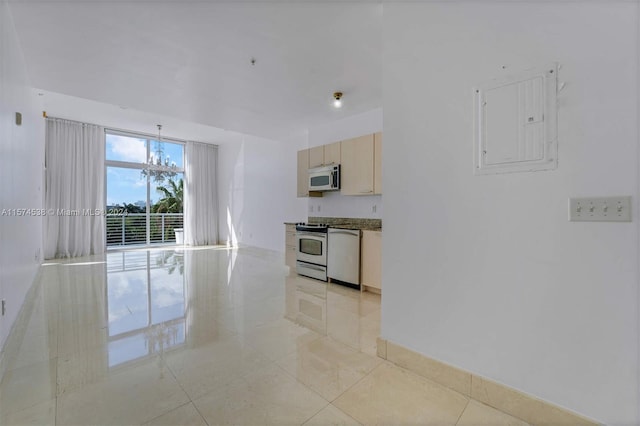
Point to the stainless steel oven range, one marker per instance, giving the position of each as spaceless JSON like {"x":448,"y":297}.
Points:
{"x":311,"y":250}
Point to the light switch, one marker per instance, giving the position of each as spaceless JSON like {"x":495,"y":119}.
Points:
{"x":600,"y":209}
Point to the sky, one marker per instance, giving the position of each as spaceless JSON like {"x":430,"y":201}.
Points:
{"x":125,"y":185}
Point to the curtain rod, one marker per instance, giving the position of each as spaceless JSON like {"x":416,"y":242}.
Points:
{"x":48,"y":117}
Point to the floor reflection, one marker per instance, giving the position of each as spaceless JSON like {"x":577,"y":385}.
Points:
{"x":129,"y":336}
{"x":146,"y":303}
{"x":342,"y":313}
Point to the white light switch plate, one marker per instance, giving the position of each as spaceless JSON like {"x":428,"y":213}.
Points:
{"x":600,"y":209}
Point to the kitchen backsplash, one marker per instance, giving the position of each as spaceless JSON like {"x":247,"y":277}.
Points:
{"x":356,"y":223}
{"x":334,"y":204}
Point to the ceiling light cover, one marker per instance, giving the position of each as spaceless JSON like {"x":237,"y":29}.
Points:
{"x":337,"y":99}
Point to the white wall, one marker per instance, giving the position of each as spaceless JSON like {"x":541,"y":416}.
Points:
{"x":335,"y":204}
{"x":506,"y":287}
{"x":116,"y":117}
{"x":257,"y":191}
{"x":21,"y":166}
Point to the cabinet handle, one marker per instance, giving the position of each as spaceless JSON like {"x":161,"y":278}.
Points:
{"x":366,"y":192}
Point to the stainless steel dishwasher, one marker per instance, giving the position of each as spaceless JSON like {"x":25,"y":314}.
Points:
{"x":343,"y":256}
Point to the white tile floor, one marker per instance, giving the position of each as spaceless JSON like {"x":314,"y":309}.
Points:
{"x":209,"y":336}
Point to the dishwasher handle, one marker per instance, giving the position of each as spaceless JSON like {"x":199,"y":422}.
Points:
{"x":355,"y":233}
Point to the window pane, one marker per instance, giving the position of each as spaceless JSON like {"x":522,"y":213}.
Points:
{"x":126,"y":186}
{"x":126,"y":191}
{"x":124,"y":148}
{"x":166,"y":209}
{"x":167,"y":196}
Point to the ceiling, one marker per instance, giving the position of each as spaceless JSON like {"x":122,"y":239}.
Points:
{"x":192,"y":59}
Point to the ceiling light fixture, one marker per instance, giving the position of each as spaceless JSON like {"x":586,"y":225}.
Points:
{"x":159,"y":167}
{"x":337,"y":100}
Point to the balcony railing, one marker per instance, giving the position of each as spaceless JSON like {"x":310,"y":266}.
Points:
{"x":131,"y":228}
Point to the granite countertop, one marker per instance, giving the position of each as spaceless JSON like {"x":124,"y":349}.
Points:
{"x":350,"y":225}
{"x":357,"y":226}
{"x":363,"y":224}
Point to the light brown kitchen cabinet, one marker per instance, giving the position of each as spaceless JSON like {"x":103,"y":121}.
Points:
{"x":316,"y":156}
{"x":357,"y":174}
{"x":303,"y":173}
{"x":377,"y":163}
{"x":332,"y":154}
{"x":371,"y":262}
{"x":290,"y":247}
{"x":324,"y":155}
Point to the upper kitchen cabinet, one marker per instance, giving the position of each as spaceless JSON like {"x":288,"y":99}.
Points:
{"x":332,"y":153}
{"x":316,"y":156}
{"x":303,"y":173}
{"x":357,"y":170}
{"x":377,"y":163}
{"x":324,"y":155}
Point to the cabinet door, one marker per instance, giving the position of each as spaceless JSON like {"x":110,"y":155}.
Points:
{"x":372,"y":259}
{"x":357,"y":166}
{"x":303,"y":173}
{"x":377,"y":163}
{"x":290,"y":247}
{"x":316,"y":156}
{"x":332,"y":153}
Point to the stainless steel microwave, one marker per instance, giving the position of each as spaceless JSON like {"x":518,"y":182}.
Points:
{"x":325,"y":178}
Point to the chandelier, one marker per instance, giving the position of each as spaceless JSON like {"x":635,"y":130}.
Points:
{"x":159,"y":337}
{"x":159,"y":167}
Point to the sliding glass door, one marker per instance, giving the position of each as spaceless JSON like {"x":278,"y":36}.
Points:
{"x":145,"y":186}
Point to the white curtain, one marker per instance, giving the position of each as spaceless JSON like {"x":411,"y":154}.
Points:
{"x":74,"y":189}
{"x":201,"y":194}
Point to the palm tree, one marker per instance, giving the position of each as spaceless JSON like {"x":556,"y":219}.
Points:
{"x":171,"y":202}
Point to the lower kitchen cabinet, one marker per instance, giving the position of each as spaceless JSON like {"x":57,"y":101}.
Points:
{"x":290,"y":248}
{"x":371,"y":277}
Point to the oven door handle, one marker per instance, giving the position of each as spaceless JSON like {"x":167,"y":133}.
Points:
{"x":312,"y":234}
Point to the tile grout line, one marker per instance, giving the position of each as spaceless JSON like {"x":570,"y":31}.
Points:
{"x":58,"y":318}
{"x":463,"y":410}
{"x":329,"y":403}
{"x":299,"y":382}
{"x":358,"y":381}
{"x":168,"y":367}
{"x":314,"y":414}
